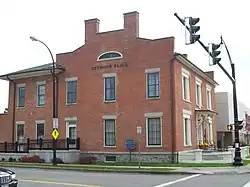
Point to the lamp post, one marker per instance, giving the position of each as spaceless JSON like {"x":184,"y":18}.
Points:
{"x":237,"y":123}
{"x":55,"y":115}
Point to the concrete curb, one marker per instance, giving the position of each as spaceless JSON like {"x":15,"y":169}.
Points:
{"x":105,"y":170}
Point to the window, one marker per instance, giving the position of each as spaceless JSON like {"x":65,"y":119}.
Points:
{"x":154,"y":131}
{"x":153,"y":84}
{"x":109,"y":87}
{"x":187,"y":130}
{"x":40,"y":93}
{"x":71,"y":89}
{"x":198,"y":93}
{"x":185,"y":85}
{"x":21,"y":96}
{"x":19,"y":131}
{"x":209,"y":100}
{"x":109,"y":56}
{"x":109,"y":132}
{"x":71,"y":131}
{"x":39,"y":130}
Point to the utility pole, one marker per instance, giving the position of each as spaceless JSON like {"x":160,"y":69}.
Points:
{"x":190,"y":25}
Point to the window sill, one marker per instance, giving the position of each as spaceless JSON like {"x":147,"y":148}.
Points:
{"x":154,"y":146}
{"x":68,"y":104}
{"x":111,"y":101}
{"x":106,"y":146}
{"x":37,"y":106}
{"x":153,"y":98}
{"x":187,"y":101}
{"x":188,"y":145}
{"x":20,"y":107}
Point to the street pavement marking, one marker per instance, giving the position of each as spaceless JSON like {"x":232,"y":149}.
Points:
{"x":59,"y":183}
{"x":180,"y":180}
{"x":247,"y":184}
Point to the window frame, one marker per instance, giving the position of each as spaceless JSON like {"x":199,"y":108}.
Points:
{"x":68,"y":80}
{"x":209,"y":97}
{"x":16,"y":129}
{"x":71,"y":122}
{"x":187,"y":116}
{"x":185,"y":75}
{"x":106,"y":118}
{"x":152,"y":116}
{"x":105,"y":76}
{"x":153,"y":71}
{"x":112,"y":58}
{"x":198,"y":100}
{"x":39,"y":122}
{"x":38,"y":84}
{"x":19,"y":86}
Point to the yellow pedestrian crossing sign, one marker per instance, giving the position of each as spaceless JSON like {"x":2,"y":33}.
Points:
{"x":229,"y":127}
{"x":55,"y":134}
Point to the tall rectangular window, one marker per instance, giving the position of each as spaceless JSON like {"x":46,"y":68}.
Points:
{"x":71,"y":88}
{"x":110,"y":88}
{"x":40,"y":131}
{"x":185,"y":85}
{"x":198,"y":94}
{"x":110,"y":132}
{"x":153,"y":85}
{"x":40,"y":94}
{"x":187,"y":130}
{"x":21,"y":96}
{"x":209,"y":99}
{"x":154,"y":131}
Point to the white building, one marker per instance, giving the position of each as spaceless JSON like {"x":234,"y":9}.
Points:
{"x":224,"y":108}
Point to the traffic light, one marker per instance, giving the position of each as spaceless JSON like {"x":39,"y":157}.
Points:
{"x":239,"y":125}
{"x":215,"y":53}
{"x":229,"y":127}
{"x":190,"y":34}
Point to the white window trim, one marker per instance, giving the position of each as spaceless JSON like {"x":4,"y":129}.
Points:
{"x":19,"y":123}
{"x":67,"y":120}
{"x":153,"y":115}
{"x":18,"y":86}
{"x":39,"y":83}
{"x":109,"y":117}
{"x":187,"y":115}
{"x":185,"y":74}
{"x":106,"y":75}
{"x":208,"y":88}
{"x":69,"y":79}
{"x":153,"y":70}
{"x":199,"y":83}
{"x":114,"y":58}
{"x":40,"y":122}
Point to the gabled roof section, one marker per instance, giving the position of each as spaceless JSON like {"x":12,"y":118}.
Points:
{"x":181,"y":58}
{"x":33,"y":72}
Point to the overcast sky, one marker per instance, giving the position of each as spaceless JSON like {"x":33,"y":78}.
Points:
{"x":60,"y":24}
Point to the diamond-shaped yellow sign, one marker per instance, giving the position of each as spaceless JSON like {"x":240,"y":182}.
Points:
{"x":55,"y":134}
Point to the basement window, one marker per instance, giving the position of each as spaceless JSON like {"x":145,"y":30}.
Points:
{"x":110,"y":55}
{"x":110,"y":158}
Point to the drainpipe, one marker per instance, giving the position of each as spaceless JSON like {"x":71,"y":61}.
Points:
{"x":14,"y":110}
{"x":172,"y":111}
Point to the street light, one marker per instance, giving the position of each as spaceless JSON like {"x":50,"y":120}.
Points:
{"x":55,"y":115}
{"x":237,"y":123}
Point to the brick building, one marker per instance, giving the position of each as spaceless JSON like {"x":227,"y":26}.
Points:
{"x":108,"y":86}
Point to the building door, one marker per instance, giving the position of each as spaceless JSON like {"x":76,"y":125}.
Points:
{"x":20,"y":137}
{"x":71,"y":133}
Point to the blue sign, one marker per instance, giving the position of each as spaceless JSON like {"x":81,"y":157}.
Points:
{"x":130,"y":144}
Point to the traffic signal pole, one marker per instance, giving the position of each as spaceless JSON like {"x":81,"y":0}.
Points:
{"x":237,"y":123}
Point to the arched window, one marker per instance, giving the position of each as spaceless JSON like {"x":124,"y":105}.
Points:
{"x":110,"y":55}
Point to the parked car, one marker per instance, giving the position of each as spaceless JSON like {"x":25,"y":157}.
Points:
{"x":7,"y":178}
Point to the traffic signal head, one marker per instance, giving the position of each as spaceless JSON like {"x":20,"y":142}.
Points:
{"x":239,"y":124}
{"x":191,"y":36}
{"x":215,"y":53}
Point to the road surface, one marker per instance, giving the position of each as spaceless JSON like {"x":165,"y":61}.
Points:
{"x":50,"y":178}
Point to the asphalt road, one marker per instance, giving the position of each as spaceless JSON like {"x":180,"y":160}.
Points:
{"x":49,"y":178}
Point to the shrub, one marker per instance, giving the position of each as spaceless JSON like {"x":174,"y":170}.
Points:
{"x":31,"y":159}
{"x":88,"y":160}
{"x":58,"y":161}
{"x":10,"y":159}
{"x":3,"y":159}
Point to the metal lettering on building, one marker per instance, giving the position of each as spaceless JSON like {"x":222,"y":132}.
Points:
{"x":108,"y":66}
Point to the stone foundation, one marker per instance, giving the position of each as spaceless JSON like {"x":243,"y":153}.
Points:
{"x":125,"y":156}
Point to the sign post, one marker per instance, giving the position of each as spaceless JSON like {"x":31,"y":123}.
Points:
{"x":139,"y":132}
{"x":55,"y":134}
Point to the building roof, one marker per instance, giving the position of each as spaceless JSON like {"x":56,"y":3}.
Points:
{"x":41,"y":70}
{"x":183,"y":59}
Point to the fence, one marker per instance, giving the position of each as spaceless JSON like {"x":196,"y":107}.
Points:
{"x":40,"y":144}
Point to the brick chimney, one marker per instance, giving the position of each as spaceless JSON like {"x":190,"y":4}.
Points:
{"x":91,"y":29}
{"x":131,"y":24}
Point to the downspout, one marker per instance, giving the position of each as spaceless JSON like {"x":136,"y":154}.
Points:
{"x":172,"y":111}
{"x":14,"y":110}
